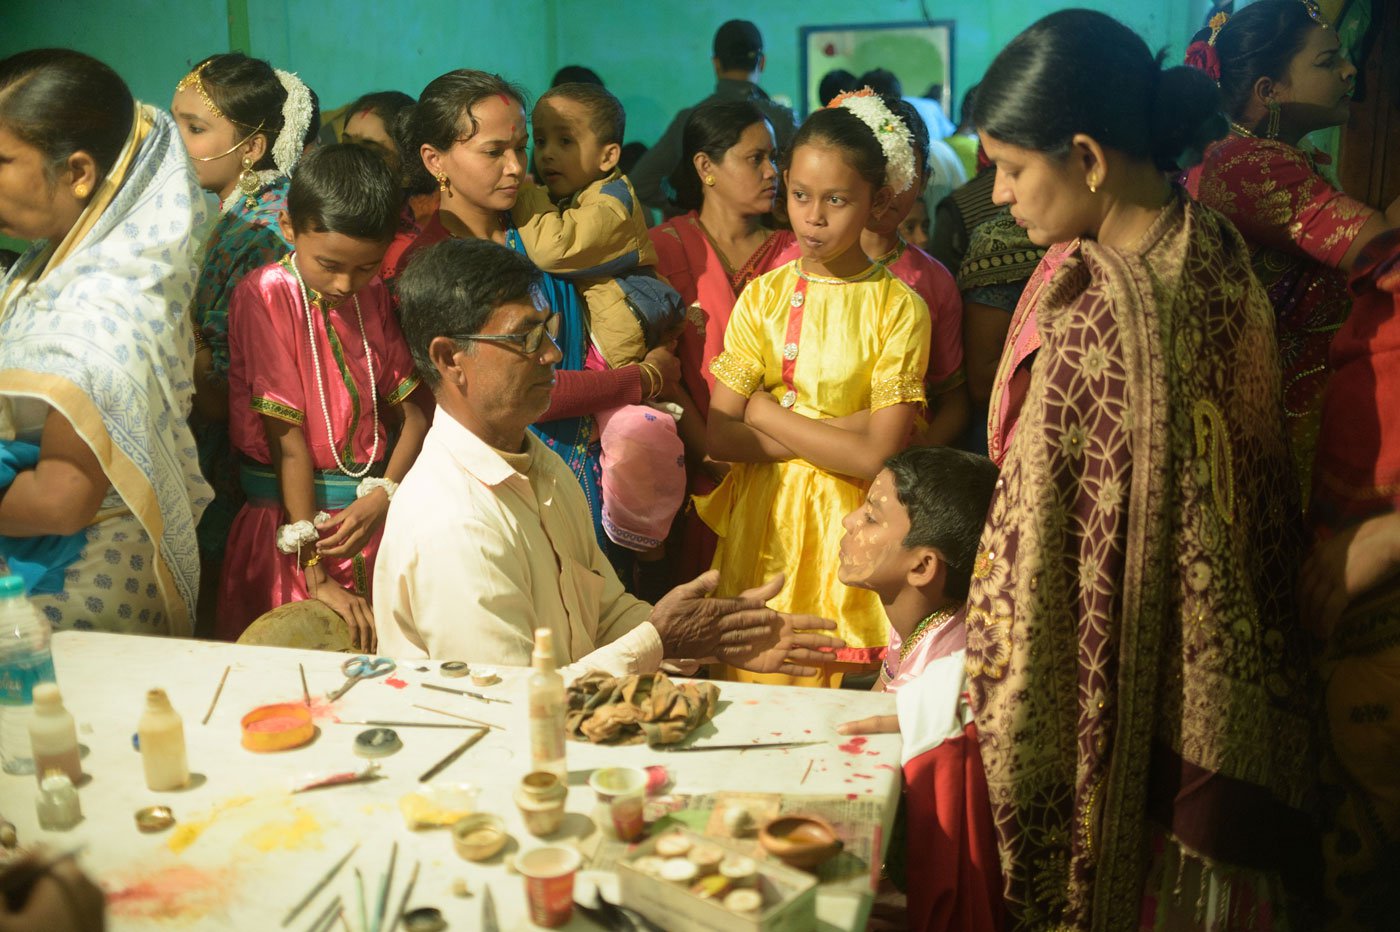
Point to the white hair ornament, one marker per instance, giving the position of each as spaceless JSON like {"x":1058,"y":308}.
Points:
{"x":296,"y":120}
{"x":890,"y":132}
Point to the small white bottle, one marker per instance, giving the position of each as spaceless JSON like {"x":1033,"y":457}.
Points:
{"x":53,"y":735}
{"x":162,"y":736}
{"x":547,"y":709}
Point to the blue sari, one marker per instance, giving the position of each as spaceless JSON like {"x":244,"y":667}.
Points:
{"x":573,"y":438}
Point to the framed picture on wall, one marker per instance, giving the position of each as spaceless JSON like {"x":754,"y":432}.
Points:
{"x":920,"y":54}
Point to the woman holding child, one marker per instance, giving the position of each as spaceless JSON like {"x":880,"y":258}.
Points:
{"x":1134,"y":659}
{"x":469,"y":130}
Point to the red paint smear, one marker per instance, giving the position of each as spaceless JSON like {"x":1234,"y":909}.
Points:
{"x":850,"y":795}
{"x":776,"y":734}
{"x":170,"y":893}
{"x":395,"y":682}
{"x":806,"y":731}
{"x":884,"y":766}
{"x":854,"y":746}
{"x":751,"y":702}
{"x":864,"y":776}
{"x":321,"y":709}
{"x":872,"y":753}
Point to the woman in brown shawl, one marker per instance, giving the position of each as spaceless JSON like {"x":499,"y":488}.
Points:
{"x":1134,"y":658}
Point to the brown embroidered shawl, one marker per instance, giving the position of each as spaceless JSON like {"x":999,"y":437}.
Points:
{"x":1133,"y":649}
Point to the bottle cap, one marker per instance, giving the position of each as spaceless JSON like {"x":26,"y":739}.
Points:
{"x":11,"y":587}
{"x":544,"y":647}
{"x":46,"y":696}
{"x":55,"y":781}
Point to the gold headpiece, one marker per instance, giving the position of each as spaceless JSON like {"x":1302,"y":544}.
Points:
{"x":193,"y":80}
{"x":1217,"y":22}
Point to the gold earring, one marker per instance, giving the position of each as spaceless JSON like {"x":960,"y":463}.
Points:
{"x":248,"y":180}
{"x":1274,"y":113}
{"x":443,"y":186}
{"x":710,"y":180}
{"x":1093,"y":184}
{"x":80,"y":190}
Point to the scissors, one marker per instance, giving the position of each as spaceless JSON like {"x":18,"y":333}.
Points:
{"x":361,"y":668}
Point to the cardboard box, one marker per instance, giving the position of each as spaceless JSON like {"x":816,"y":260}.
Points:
{"x":790,"y":895}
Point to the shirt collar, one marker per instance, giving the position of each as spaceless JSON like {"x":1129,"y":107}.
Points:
{"x":733,"y":88}
{"x":475,"y":455}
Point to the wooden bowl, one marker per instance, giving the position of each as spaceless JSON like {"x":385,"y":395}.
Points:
{"x":278,"y":727}
{"x":478,"y":837}
{"x":803,"y":842}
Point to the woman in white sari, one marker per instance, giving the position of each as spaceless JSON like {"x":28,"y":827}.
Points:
{"x":96,"y":350}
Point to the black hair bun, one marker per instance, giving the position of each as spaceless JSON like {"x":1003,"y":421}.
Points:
{"x":1186,"y":118}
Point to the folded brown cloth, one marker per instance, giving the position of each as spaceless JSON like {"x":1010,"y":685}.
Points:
{"x":643,"y":707}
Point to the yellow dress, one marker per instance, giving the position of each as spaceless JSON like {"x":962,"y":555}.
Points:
{"x":850,"y":345}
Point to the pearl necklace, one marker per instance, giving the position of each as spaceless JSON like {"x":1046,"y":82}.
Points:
{"x":320,"y":383}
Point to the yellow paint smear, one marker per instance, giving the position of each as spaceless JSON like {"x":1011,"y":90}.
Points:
{"x":300,"y":832}
{"x":188,"y":831}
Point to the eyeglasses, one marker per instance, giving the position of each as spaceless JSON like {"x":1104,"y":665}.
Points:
{"x":529,"y":342}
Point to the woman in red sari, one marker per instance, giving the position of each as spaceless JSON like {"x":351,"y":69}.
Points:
{"x":1282,"y":75}
{"x":1134,"y":660}
{"x":726,"y":182}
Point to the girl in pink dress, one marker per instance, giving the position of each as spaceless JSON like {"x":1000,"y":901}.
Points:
{"x":318,"y":373}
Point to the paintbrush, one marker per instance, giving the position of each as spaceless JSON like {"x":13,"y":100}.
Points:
{"x":403,"y":900}
{"x":461,"y":749}
{"x":320,"y":885}
{"x":474,"y":721}
{"x":18,"y":881}
{"x":360,"y":892}
{"x":215,"y":701}
{"x":382,"y":724}
{"x":384,"y":885}
{"x":479,"y":697}
{"x":305,"y":693}
{"x":327,"y":917}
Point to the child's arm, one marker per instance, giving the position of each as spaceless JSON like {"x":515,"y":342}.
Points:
{"x":355,"y":525}
{"x":948,"y":414}
{"x":852,"y":452}
{"x":593,"y":237}
{"x":291,"y":460}
{"x":731,"y":439}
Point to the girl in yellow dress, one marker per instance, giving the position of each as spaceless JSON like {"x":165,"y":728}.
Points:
{"x":819,"y":382}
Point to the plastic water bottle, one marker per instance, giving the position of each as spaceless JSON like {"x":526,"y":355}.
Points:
{"x":25,"y":662}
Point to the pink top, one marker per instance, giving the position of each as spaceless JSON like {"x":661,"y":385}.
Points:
{"x":897,"y":671}
{"x":271,"y":370}
{"x":939,"y":289}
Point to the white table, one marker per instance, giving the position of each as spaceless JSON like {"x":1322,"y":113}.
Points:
{"x":261,"y":849}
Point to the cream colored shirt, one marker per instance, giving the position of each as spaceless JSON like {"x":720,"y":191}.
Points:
{"x":476,"y":555}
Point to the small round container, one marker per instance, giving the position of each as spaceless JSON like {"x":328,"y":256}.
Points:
{"x":540,"y":799}
{"x":424,"y":919}
{"x":485,"y":676}
{"x":706,"y":858}
{"x":454,"y":668}
{"x":679,"y":870}
{"x":377,"y":742}
{"x":674,"y":845}
{"x":739,"y":869}
{"x":804,"y":842}
{"x":478,"y":837}
{"x":744,"y":902}
{"x":154,"y":819}
{"x":649,"y":864}
{"x":278,"y":727}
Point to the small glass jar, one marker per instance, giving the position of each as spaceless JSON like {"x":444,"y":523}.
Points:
{"x":58,"y":806}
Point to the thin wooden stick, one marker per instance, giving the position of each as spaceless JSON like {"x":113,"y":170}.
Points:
{"x":320,"y":885}
{"x":215,"y":701}
{"x":403,"y":900}
{"x":305,"y":693}
{"x":327,"y":917}
{"x":808,"y":771}
{"x":442,"y":765}
{"x":360,"y":891}
{"x":464,"y":718}
{"x":384,"y":884}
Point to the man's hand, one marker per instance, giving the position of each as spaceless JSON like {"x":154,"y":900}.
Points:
{"x":787,"y":649}
{"x":875,"y":725}
{"x":58,"y":896}
{"x":358,"y":614}
{"x":741,"y":631}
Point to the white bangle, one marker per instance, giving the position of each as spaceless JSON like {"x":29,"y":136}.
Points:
{"x":367,"y":486}
{"x":292,"y":537}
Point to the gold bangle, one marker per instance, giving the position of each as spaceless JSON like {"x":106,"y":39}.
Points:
{"x":654,"y":376}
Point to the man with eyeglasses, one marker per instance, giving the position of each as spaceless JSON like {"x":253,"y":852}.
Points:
{"x":489,"y":535}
